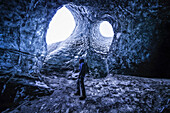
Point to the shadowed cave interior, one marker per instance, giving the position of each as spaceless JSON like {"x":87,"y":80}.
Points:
{"x":130,"y":65}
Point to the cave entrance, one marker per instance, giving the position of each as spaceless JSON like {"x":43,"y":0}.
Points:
{"x":106,"y":29}
{"x":61,"y":26}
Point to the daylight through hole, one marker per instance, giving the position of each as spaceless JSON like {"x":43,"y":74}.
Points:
{"x":106,"y":29}
{"x":61,"y":26}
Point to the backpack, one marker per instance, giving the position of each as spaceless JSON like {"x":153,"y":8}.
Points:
{"x":86,"y":68}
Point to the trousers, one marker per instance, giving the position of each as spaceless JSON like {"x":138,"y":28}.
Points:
{"x":80,"y":85}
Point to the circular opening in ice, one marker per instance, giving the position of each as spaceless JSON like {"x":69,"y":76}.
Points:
{"x":106,"y":29}
{"x":61,"y":26}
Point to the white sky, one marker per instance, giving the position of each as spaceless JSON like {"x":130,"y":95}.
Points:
{"x":106,"y":29}
{"x":61,"y":26}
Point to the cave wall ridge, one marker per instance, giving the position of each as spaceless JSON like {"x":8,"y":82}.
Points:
{"x":140,"y":45}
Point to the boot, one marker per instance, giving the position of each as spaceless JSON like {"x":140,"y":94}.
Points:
{"x":82,"y":97}
{"x":77,"y":94}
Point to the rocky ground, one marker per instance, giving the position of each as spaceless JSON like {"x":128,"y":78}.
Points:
{"x":115,"y":94}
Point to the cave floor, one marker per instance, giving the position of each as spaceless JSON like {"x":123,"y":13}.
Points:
{"x":119,"y":93}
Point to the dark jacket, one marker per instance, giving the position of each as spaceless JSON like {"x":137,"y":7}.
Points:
{"x":82,"y":69}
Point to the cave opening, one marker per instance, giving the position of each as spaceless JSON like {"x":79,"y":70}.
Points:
{"x":106,"y":29}
{"x":61,"y":26}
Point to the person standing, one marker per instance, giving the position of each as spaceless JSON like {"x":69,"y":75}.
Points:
{"x":80,"y":80}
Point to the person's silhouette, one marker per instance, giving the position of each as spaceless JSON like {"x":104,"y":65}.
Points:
{"x":80,"y":81}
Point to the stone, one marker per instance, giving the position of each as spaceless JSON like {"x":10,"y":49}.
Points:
{"x":140,"y":45}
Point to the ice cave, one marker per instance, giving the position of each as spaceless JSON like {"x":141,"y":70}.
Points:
{"x":125,"y":44}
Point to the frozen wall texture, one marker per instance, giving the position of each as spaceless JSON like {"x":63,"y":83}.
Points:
{"x":140,"y":45}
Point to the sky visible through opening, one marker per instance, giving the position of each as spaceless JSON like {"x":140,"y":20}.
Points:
{"x":106,"y":29}
{"x":61,"y":26}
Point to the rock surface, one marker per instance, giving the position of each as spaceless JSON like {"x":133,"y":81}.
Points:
{"x":140,"y":45}
{"x":139,"y":37}
{"x":111,"y":94}
{"x":18,"y":88}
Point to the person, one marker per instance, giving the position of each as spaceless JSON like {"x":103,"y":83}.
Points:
{"x":80,"y":80}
